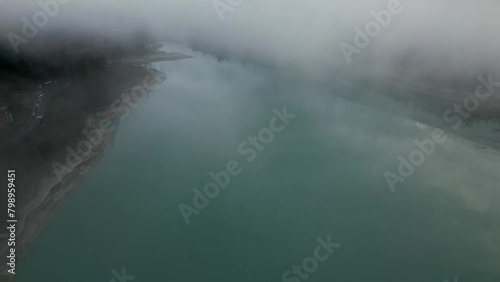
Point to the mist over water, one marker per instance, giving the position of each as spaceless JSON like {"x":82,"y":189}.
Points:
{"x":437,"y":36}
{"x":323,"y":175}
{"x":356,"y":118}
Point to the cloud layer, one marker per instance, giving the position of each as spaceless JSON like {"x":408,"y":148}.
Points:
{"x":427,"y":36}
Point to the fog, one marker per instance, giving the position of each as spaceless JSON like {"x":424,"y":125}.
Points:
{"x":327,"y":170}
{"x":452,"y":37}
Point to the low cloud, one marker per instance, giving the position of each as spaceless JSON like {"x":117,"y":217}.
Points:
{"x":452,"y":37}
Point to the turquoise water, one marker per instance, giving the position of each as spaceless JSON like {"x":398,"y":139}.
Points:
{"x":321,"y":176}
